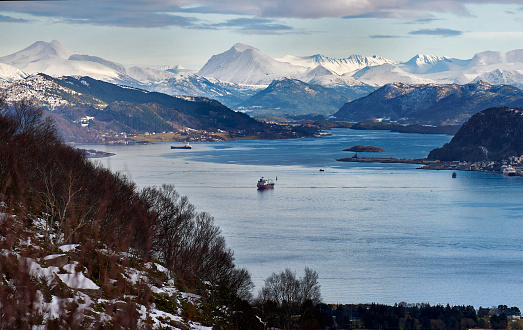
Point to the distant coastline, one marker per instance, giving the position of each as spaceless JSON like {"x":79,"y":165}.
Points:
{"x":428,"y":164}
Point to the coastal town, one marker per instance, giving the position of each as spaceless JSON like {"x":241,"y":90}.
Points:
{"x":513,"y":166}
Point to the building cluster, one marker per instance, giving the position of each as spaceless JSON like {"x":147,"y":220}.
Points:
{"x":513,"y":166}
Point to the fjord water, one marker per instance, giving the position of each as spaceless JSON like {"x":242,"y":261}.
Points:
{"x":381,"y":233}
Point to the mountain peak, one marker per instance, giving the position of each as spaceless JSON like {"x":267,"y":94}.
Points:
{"x":244,"y":64}
{"x":53,"y":48}
{"x":239,"y":47}
{"x":38,"y":51}
{"x":422,"y":63}
{"x":425,"y":59}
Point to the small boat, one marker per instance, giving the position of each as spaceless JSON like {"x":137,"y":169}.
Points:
{"x":265,"y":184}
{"x":454,"y":174}
{"x":322,"y":170}
{"x":186,"y":146}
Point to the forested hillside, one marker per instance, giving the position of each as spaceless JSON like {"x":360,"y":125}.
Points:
{"x":82,"y":247}
{"x":493,"y":134}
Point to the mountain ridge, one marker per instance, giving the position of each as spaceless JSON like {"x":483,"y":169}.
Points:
{"x":107,"y":109}
{"x":288,"y":96}
{"x":434,"y":104}
{"x":56,"y":60}
{"x":232,"y":77}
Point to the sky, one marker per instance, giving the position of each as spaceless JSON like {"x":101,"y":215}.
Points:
{"x":154,"y":33}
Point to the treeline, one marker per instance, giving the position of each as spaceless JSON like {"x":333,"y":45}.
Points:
{"x":415,"y":317}
{"x":52,"y":189}
{"x":415,"y":128}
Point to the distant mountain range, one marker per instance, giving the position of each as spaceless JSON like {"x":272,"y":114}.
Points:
{"x":236,"y":75}
{"x":293,"y":97}
{"x":493,"y":134}
{"x":434,"y":104}
{"x":86,"y":110}
{"x":55,"y":60}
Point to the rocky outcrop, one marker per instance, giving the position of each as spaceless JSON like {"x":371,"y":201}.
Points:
{"x":360,"y":148}
{"x":492,"y":134}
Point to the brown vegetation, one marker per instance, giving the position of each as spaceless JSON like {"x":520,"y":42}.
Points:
{"x":52,"y":195}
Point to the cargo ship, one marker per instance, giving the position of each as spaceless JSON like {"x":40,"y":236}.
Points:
{"x":265,"y":184}
{"x":186,"y":146}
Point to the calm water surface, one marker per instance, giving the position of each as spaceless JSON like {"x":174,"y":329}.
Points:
{"x":380,"y":233}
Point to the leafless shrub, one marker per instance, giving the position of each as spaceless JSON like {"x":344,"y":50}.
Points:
{"x":284,"y":295}
{"x":116,"y":226}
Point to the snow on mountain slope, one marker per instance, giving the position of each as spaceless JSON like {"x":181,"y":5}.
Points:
{"x":56,"y":60}
{"x":243,"y":64}
{"x":10,"y":73}
{"x":53,"y":59}
{"x":43,"y":92}
{"x":502,"y":77}
{"x":490,"y":57}
{"x":320,"y":71}
{"x":423,"y":63}
{"x":38,"y":51}
{"x":388,"y":73}
{"x":236,"y":74}
{"x":345,"y":85}
{"x":338,"y":66}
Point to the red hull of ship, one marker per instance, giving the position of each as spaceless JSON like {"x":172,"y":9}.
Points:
{"x":266,"y":186}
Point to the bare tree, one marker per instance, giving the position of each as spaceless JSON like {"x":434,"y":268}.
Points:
{"x":289,"y":294}
{"x":310,"y":288}
{"x":29,"y":119}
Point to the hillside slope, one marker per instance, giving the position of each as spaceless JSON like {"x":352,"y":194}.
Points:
{"x":492,"y":134}
{"x":430,"y":103}
{"x":86,"y":109}
{"x":82,"y":247}
{"x":293,"y":97}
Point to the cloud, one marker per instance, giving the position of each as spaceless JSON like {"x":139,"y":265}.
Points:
{"x":254,"y":26}
{"x":381,"y":36}
{"x":152,"y":20}
{"x":164,"y":13}
{"x":423,"y":20}
{"x":9,"y":19}
{"x":437,"y":32}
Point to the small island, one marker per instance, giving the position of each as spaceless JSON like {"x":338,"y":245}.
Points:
{"x":360,"y":148}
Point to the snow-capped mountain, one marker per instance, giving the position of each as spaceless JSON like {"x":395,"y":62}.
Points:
{"x":383,"y":74}
{"x":502,"y":77}
{"x":338,"y":66}
{"x":10,"y":73}
{"x":243,"y":64}
{"x":57,"y":60}
{"x":425,"y":63}
{"x":248,"y":65}
{"x":496,"y":58}
{"x":240,"y":72}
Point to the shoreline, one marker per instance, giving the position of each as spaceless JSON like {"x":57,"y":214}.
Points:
{"x":487,"y":167}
